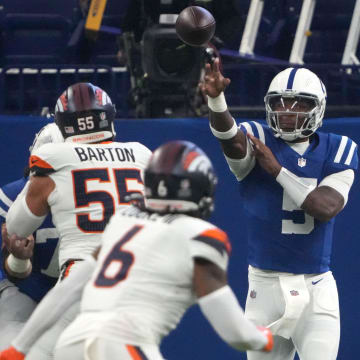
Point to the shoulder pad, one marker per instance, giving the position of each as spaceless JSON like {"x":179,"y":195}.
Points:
{"x":208,"y":242}
{"x":254,"y":128}
{"x":48,"y":158}
{"x":8,"y":194}
{"x":140,"y":147}
{"x":343,"y":151}
{"x":215,"y":238}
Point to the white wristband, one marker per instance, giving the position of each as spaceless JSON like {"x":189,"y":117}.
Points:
{"x":17,"y":265}
{"x":295,"y":187}
{"x":217,"y":104}
{"x":225,"y":135}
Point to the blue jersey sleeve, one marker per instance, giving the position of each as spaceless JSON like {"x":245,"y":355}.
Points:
{"x":44,"y":274}
{"x":8,"y":194}
{"x":254,"y":128}
{"x":343,"y":154}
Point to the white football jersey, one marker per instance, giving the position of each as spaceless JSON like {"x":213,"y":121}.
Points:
{"x":92,"y":181}
{"x":143,"y":282}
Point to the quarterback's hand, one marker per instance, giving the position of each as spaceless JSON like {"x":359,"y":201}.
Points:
{"x":270,"y":344}
{"x":214,"y":82}
{"x":22,"y":248}
{"x":11,"y":354}
{"x":265,"y":157}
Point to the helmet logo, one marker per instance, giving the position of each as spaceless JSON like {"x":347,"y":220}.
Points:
{"x":99,"y":96}
{"x":64,"y":102}
{"x":197,"y":162}
{"x":162,"y":189}
{"x":69,"y":129}
{"x":185,"y":190}
{"x":103,"y":122}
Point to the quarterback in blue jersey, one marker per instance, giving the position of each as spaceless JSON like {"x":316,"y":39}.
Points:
{"x":293,"y":182}
{"x":19,"y":297}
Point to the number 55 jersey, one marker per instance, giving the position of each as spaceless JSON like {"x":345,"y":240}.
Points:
{"x":281,"y":236}
{"x":91,"y":183}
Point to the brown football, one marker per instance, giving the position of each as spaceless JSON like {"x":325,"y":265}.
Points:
{"x":195,"y":26}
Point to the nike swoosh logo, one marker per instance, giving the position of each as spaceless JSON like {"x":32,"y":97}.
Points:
{"x":315,"y":282}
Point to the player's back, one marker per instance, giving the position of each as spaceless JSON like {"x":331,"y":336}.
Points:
{"x":143,"y":281}
{"x":92,"y":181}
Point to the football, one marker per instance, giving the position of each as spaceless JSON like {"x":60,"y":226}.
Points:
{"x":195,"y":26}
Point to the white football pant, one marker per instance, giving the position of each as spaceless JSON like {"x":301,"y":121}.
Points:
{"x":315,"y":334}
{"x":43,"y":349}
{"x":15,"y":310}
{"x":99,"y":349}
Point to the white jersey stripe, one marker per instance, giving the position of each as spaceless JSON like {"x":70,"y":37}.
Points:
{"x":260,"y":131}
{"x":5,"y":199}
{"x":3,"y":213}
{"x":248,"y":128}
{"x":351,"y":153}
{"x":341,"y":149}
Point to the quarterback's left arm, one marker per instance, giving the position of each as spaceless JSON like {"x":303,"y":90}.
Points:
{"x":330,"y":197}
{"x":324,"y":201}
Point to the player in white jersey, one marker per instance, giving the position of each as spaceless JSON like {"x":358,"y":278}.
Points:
{"x":82,"y":181}
{"x":155,"y":262}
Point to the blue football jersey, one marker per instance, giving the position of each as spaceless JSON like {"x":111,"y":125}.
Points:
{"x":45,"y":261}
{"x":281,"y":236}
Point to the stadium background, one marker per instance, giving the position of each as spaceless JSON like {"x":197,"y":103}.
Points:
{"x":35,"y":68}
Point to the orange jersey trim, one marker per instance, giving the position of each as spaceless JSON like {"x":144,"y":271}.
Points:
{"x":134,"y":353}
{"x":38,"y":162}
{"x":218,"y":235}
{"x":68,"y":268}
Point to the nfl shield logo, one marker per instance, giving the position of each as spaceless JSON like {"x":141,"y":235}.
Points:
{"x":69,"y":129}
{"x":301,"y":162}
{"x":294,"y":293}
{"x":253,"y":294}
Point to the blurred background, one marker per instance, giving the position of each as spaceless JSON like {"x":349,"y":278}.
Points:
{"x":122,"y":46}
{"x":151,"y":76}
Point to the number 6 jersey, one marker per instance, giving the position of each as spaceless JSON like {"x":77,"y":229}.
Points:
{"x":91,"y":183}
{"x":143,"y":281}
{"x":281,"y":236}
